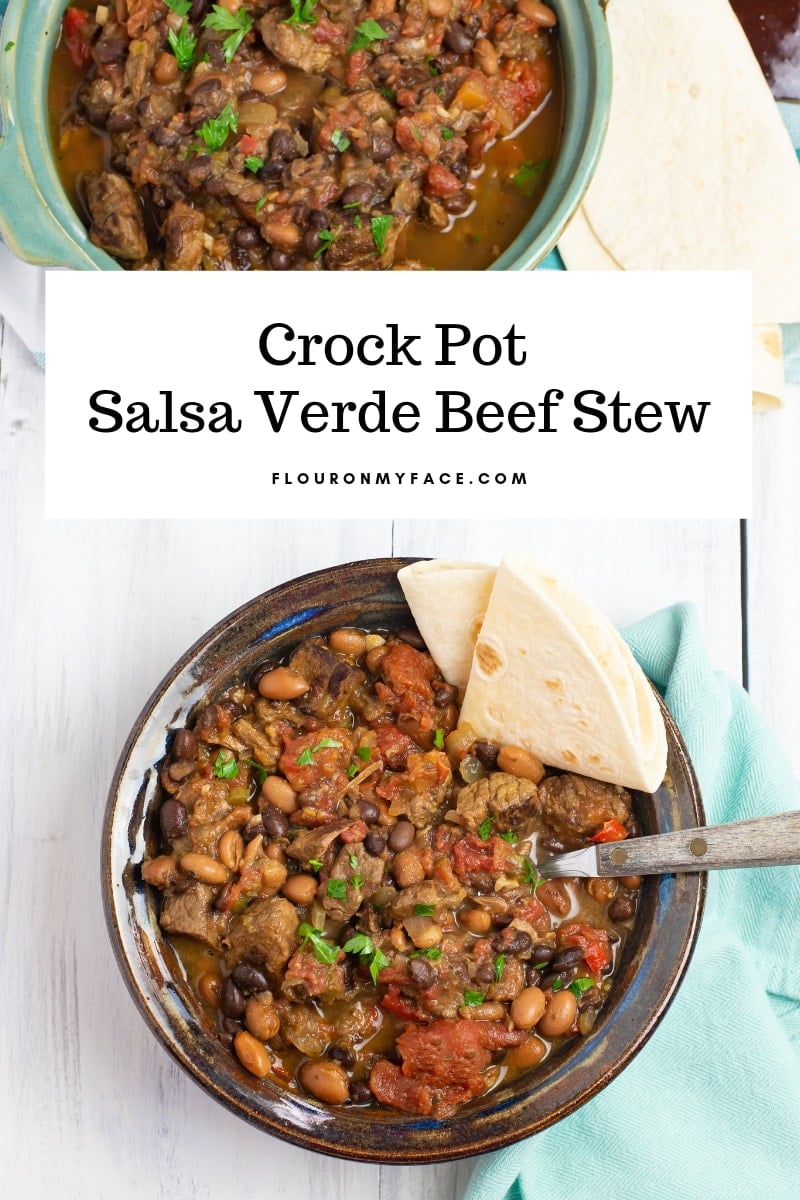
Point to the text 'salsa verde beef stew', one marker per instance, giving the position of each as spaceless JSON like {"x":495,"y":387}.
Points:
{"x":306,"y":134}
{"x":346,"y":881}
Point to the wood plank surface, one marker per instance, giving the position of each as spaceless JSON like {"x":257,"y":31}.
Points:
{"x":94,"y":613}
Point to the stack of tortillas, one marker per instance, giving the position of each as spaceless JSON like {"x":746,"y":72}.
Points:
{"x":541,"y":667}
{"x":697,"y":171}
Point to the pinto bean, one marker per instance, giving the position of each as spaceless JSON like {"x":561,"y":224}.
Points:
{"x":231,"y":849}
{"x":527,"y":1008}
{"x":559,"y":1015}
{"x":278,"y":792}
{"x":269,"y":81}
{"x":407,"y":869}
{"x":261,"y":1019}
{"x":554,"y":897}
{"x":324,"y":1079}
{"x":520,"y":762}
{"x":528,"y":1054}
{"x":251,"y":1054}
{"x":490,"y":1010}
{"x":300,"y":889}
{"x":347,"y":641}
{"x":439,"y":8}
{"x":476,"y":920}
{"x":282,"y":683}
{"x":486,"y":56}
{"x":208,"y":987}
{"x":537,"y":12}
{"x":204,"y":868}
{"x":165,"y":69}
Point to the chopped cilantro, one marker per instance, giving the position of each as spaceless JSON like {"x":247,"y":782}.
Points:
{"x":364,"y":753}
{"x":259,"y":771}
{"x":471,"y":999}
{"x":527,"y":177}
{"x":357,"y":881}
{"x":499,"y":963}
{"x":327,"y":238}
{"x":579,"y":986}
{"x":367,"y":33}
{"x":327,"y":744}
{"x":433,"y":70}
{"x":357,"y":221}
{"x":237,"y":25}
{"x":225,"y":765}
{"x":337,"y":888}
{"x":447,"y":134}
{"x":184,"y":44}
{"x":352,"y":771}
{"x":181,"y":7}
{"x":260,"y":204}
{"x":324,"y":952}
{"x":388,"y":94}
{"x":315,"y":864}
{"x":306,"y":757}
{"x":380,"y":228}
{"x":302,"y":13}
{"x":340,"y":141}
{"x":485,"y":829}
{"x":353,"y":859}
{"x":424,"y":910}
{"x":253,"y":163}
{"x":509,"y":836}
{"x":9,"y":46}
{"x":438,"y":739}
{"x":216,"y":129}
{"x":530,"y":874}
{"x":539,"y":966}
{"x":557,"y":985}
{"x":434,"y":952}
{"x":363,"y":945}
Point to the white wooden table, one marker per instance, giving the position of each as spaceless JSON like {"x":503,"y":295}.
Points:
{"x":93,"y":614}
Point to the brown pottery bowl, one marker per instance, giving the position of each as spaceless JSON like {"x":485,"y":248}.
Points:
{"x":654,"y":960}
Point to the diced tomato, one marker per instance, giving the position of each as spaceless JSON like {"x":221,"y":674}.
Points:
{"x":314,"y":757}
{"x":247,"y":144}
{"x":611,"y":831}
{"x":593,"y":942}
{"x":472,"y":856}
{"x":401,"y":1006}
{"x":441,"y":182}
{"x":74,"y":27}
{"x":391,"y":1087}
{"x":354,"y":833}
{"x":394,"y":745}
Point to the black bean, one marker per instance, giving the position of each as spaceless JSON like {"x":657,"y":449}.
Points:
{"x":542,"y":953}
{"x":344,"y":1056}
{"x":311,"y":242}
{"x":552,"y":977}
{"x":180,"y":771}
{"x":382,"y":148}
{"x":174,"y":821}
{"x":282,"y":145}
{"x":111,"y":49}
{"x":165,"y":137}
{"x":317,"y":220}
{"x":516,"y":941}
{"x":443,"y":693}
{"x":634,"y":828}
{"x":199,"y":9}
{"x":485,"y":972}
{"x":369,"y":811}
{"x":228,"y":1025}
{"x":532,"y":977}
{"x":276,"y":823}
{"x":620,"y":909}
{"x":458,"y":39}
{"x":486,"y":753}
{"x":413,"y":637}
{"x":248,"y":978}
{"x":402,"y":836}
{"x":374,"y":844}
{"x":247,"y":237}
{"x":120,"y":121}
{"x":358,"y":194}
{"x":227,"y":1040}
{"x":421,"y":971}
{"x":457,"y":203}
{"x":204,"y":91}
{"x":360,"y":1092}
{"x":271,"y":170}
{"x":279,"y":260}
{"x":252,"y":831}
{"x":553,"y":845}
{"x":231,"y":1000}
{"x":569,"y":957}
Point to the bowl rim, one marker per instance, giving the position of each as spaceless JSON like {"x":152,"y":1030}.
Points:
{"x":144,"y":957}
{"x":40,"y":224}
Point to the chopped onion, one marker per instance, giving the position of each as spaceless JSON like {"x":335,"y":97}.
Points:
{"x":101,"y":14}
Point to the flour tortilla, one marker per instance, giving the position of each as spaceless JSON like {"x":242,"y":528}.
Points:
{"x":769,"y":387}
{"x":551,"y":674}
{"x":697,"y":171}
{"x":448,"y":600}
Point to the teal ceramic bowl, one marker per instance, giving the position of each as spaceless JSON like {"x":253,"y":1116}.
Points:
{"x":39,"y":223}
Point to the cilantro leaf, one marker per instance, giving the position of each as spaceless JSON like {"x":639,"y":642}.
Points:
{"x":363,"y":945}
{"x":530,"y":874}
{"x":433,"y":70}
{"x":380,"y":228}
{"x":337,"y":888}
{"x":438,"y":737}
{"x":447,"y":134}
{"x":367,"y":33}
{"x":508,"y":836}
{"x":216,"y":129}
{"x":357,"y":881}
{"x":352,"y":771}
{"x":424,"y":910}
{"x":302,"y":13}
{"x":471,"y":999}
{"x":237,"y":25}
{"x":499,"y":963}
{"x":260,"y":204}
{"x":579,"y":986}
{"x":259,"y":771}
{"x":326,"y":744}
{"x":327,"y":238}
{"x":485,"y":829}
{"x":340,"y":141}
{"x":357,"y":221}
{"x":305,"y":758}
{"x":528,"y":175}
{"x":225,"y":765}
{"x":181,"y":7}
{"x":557,"y":985}
{"x":9,"y":46}
{"x":315,"y":864}
{"x":364,"y":753}
{"x":253,"y":163}
{"x":353,"y":860}
{"x":184,"y":44}
{"x":324,"y":952}
{"x":433,"y":952}
{"x":379,"y":961}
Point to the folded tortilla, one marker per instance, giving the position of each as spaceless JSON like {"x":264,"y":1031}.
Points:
{"x":769,"y":386}
{"x":448,"y":600}
{"x":698,"y":171}
{"x":548,"y":671}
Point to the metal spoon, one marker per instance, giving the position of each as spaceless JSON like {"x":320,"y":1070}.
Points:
{"x":763,"y":842}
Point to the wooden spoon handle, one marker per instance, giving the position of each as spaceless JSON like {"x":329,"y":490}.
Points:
{"x":763,"y":842}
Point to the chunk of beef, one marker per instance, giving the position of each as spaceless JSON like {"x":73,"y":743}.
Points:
{"x":183,"y":238}
{"x":509,"y":801}
{"x":510,"y":983}
{"x":394,"y":745}
{"x":332,"y":681}
{"x":265,"y":934}
{"x":420,"y":790}
{"x":305,"y":977}
{"x":519,"y":38}
{"x":354,"y":249}
{"x":295,"y":46}
{"x":429,"y":892}
{"x":316,"y":757}
{"x":315,"y":842}
{"x":304,"y":1028}
{"x":204,"y":799}
{"x":362,"y":875}
{"x":575,"y":807}
{"x":117,"y":225}
{"x":191,"y":913}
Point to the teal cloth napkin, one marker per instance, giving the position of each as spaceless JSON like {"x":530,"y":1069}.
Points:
{"x":710,"y":1107}
{"x":790,"y":112}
